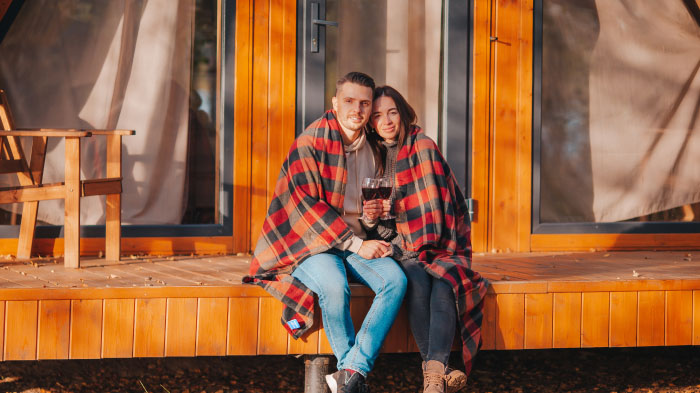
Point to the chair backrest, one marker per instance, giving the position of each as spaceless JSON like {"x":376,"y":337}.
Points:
{"x":11,"y":152}
{"x":6,"y":121}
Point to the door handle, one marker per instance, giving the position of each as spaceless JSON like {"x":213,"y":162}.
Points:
{"x":315,"y":22}
{"x":324,"y":22}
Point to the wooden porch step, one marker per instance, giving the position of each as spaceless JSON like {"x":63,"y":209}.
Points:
{"x":181,"y":306}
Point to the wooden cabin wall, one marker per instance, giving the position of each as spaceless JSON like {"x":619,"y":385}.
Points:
{"x":264,"y":116}
{"x":264,"y":121}
{"x":481,"y":86}
{"x":265,"y":106}
{"x":502,"y":165}
{"x":502,"y":132}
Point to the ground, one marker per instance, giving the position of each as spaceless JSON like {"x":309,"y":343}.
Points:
{"x":667,"y":369}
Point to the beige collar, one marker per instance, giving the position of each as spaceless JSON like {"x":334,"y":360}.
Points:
{"x":356,"y":144}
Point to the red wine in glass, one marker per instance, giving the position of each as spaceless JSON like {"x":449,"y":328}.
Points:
{"x":384,"y":192}
{"x":369,"y":193}
{"x":369,"y":188}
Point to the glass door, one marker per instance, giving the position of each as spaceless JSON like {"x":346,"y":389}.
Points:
{"x":420,"y":47}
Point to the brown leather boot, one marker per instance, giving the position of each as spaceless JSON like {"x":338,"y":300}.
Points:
{"x":433,"y":377}
{"x":455,"y":380}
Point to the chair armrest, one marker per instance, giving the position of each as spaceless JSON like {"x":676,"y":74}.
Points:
{"x":62,"y":132}
{"x":53,"y":132}
{"x":112,"y":132}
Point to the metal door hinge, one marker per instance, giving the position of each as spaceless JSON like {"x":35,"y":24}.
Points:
{"x":471,"y":208}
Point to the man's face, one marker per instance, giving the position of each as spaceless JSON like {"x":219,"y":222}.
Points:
{"x":353,"y":105}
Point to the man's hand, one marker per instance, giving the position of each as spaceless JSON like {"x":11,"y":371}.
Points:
{"x":373,"y":249}
{"x":372,"y":209}
{"x":376,"y":207}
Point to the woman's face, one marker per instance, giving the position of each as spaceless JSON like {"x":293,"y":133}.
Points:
{"x":385,"y":118}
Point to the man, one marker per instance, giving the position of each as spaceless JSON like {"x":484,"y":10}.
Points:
{"x":312,"y":239}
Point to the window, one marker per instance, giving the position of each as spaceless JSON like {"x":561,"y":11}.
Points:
{"x":617,"y":119}
{"x":154,"y":66}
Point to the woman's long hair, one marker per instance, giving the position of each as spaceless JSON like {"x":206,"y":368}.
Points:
{"x":408,"y":121}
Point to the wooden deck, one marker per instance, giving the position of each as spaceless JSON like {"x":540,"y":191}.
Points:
{"x":195,"y":306}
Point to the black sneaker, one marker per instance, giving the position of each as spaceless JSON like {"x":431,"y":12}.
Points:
{"x":342,"y":381}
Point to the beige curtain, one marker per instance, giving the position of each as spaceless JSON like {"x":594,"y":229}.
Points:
{"x":620,"y":109}
{"x":107,"y":64}
{"x":644,"y":108}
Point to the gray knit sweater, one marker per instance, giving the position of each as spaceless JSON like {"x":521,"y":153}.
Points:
{"x":386,"y":229}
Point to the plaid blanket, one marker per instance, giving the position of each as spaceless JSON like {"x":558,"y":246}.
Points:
{"x":304,"y":219}
{"x":436,"y":225}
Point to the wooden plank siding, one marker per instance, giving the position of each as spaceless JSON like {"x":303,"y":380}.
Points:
{"x":501,"y":127}
{"x":50,"y":313}
{"x":53,"y":341}
{"x":264,"y":116}
{"x":502,"y":156}
{"x":21,"y":321}
{"x":179,"y":326}
{"x":539,"y":315}
{"x":242,"y":337}
{"x":212,"y":325}
{"x":86,"y":329}
{"x":566,"y":320}
{"x":481,"y":123}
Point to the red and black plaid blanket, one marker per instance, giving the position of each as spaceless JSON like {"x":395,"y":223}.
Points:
{"x":437,"y":227}
{"x":304,"y":219}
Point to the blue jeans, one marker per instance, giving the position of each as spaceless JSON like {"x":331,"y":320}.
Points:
{"x":327,"y":275}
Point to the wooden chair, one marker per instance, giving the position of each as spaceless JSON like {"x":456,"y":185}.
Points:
{"x":31,"y":190}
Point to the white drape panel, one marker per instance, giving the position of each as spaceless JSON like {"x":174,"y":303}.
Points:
{"x":107,"y":64}
{"x":644,"y":109}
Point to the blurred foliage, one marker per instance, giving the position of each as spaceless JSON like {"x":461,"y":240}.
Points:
{"x":205,"y":33}
{"x":77,"y":10}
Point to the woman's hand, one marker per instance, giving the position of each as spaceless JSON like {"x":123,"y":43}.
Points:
{"x":373,"y":249}
{"x":386,"y":206}
{"x":372,"y":209}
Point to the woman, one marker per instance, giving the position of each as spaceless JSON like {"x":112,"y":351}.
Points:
{"x":430,"y":237}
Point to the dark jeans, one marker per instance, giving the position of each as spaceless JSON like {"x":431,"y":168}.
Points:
{"x":432,"y":312}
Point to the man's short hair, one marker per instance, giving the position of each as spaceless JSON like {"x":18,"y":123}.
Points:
{"x":357,"y":78}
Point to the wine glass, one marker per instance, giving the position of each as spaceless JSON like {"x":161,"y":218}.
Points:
{"x":369,"y":189}
{"x":385,"y":186}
